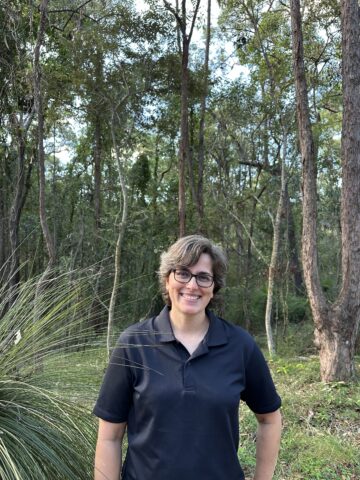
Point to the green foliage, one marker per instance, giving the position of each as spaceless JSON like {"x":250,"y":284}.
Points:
{"x":139,"y":177}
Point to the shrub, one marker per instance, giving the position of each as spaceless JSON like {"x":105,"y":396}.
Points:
{"x":45,"y":432}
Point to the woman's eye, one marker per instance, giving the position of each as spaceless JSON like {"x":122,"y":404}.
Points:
{"x":183,"y":274}
{"x":204,"y":278}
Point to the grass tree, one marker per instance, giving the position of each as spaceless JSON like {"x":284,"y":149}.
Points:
{"x":46,"y":430}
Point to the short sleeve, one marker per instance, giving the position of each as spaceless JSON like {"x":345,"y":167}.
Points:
{"x":260,"y":393}
{"x":116,"y":392}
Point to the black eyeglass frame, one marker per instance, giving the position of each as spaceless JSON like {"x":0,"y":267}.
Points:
{"x":193,"y":275}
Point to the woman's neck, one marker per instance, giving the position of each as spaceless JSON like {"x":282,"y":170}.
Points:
{"x":189,"y":324}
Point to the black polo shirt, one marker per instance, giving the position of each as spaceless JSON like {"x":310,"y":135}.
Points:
{"x":182,"y":410}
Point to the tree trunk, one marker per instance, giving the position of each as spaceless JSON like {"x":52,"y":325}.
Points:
{"x":184,"y":134}
{"x":183,"y":158}
{"x":190,"y":156}
{"x":201,"y":156}
{"x":336,"y":325}
{"x":275,"y":252}
{"x":349,"y":298}
{"x":38,"y":98}
{"x":22,"y":186}
{"x":121,"y":232}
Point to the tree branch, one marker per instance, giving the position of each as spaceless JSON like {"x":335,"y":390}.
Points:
{"x":194,"y":19}
{"x":176,"y":15}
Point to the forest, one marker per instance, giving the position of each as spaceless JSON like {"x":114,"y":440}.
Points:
{"x":125,"y":124}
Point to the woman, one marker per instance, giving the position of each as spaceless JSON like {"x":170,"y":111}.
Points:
{"x":175,"y":382}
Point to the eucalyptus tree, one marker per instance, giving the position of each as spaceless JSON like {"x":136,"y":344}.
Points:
{"x":336,"y":324}
{"x":186,"y":28}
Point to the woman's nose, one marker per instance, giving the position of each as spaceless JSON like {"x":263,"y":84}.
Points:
{"x":192,"y":282}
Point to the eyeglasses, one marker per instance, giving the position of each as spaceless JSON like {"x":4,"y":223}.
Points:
{"x":204,"y":280}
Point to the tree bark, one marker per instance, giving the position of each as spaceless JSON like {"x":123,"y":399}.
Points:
{"x":349,"y":299}
{"x":336,"y":325}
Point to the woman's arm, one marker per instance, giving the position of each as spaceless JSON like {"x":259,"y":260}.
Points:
{"x":267,"y":444}
{"x":108,"y":450}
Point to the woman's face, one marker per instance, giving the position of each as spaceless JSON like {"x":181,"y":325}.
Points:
{"x":190,"y":299}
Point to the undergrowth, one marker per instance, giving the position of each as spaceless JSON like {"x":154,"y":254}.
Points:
{"x":321,"y":425}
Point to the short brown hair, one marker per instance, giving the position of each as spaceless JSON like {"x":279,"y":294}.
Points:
{"x":185,"y":252}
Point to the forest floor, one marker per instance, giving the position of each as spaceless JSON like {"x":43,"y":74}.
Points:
{"x":321,"y":424}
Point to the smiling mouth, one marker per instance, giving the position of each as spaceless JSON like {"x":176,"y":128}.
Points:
{"x":187,"y":296}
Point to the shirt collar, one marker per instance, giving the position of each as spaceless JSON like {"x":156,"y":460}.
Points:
{"x":162,"y":327}
{"x":216,"y":334}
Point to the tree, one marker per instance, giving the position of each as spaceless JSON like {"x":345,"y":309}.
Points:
{"x":184,"y":116}
{"x":201,"y":154}
{"x":275,"y":250}
{"x":39,"y":108}
{"x":336,"y":324}
{"x":121,"y":228}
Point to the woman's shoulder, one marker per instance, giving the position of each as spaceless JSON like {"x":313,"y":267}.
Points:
{"x":140,"y":329}
{"x":236,"y":333}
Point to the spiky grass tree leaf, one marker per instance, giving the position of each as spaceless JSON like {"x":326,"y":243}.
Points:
{"x":46,"y":429}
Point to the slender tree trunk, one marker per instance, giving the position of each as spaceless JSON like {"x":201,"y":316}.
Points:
{"x":201,"y":156}
{"x":190,"y":156}
{"x":22,"y":186}
{"x":336,"y":325}
{"x":275,"y":252}
{"x":121,"y":233}
{"x":184,"y":134}
{"x":309,"y":233}
{"x":183,"y":158}
{"x":38,"y":97}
